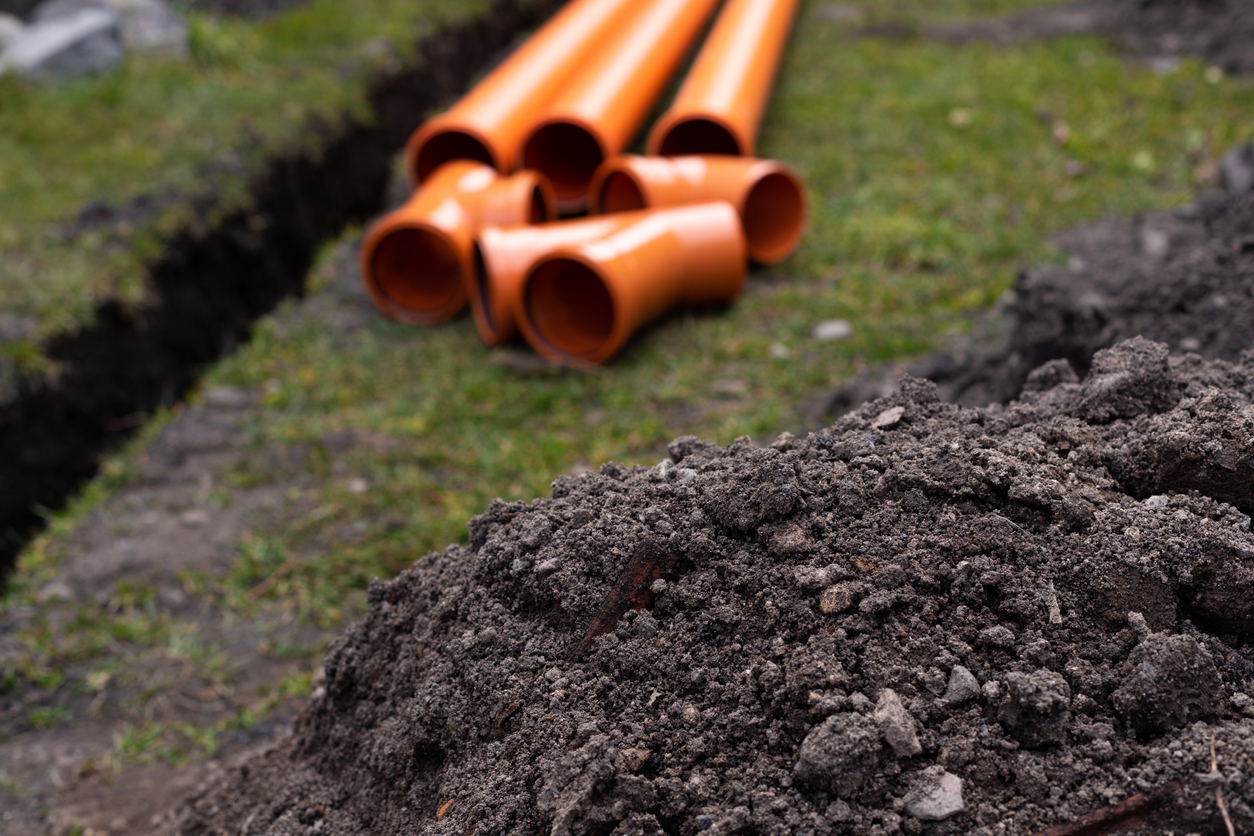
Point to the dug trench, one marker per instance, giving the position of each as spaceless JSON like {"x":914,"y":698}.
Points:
{"x":211,"y":284}
{"x":1022,"y":619}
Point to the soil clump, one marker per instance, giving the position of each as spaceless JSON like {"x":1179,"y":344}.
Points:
{"x":925,"y":619}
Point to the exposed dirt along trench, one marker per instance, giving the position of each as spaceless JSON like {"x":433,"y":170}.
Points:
{"x":926,"y":619}
{"x":213,"y":283}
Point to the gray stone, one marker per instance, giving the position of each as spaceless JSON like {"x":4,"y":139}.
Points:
{"x":10,"y":28}
{"x":962,"y":686}
{"x":146,"y":25}
{"x":78,"y":44}
{"x":935,"y":795}
{"x":840,"y":754}
{"x":831,"y":330}
{"x":896,"y":724}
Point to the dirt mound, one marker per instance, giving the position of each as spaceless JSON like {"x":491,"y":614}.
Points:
{"x":1185,"y":278}
{"x":1219,"y":32}
{"x":925,"y":619}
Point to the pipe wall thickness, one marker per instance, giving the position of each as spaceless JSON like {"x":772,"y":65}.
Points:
{"x":416,"y":262}
{"x":581,"y":304}
{"x":599,"y":112}
{"x":719,"y":107}
{"x":491,"y":121}
{"x":768,"y":195}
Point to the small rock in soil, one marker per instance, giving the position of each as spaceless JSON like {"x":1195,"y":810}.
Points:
{"x":936,"y":795}
{"x":963,"y":686}
{"x":897,"y":725}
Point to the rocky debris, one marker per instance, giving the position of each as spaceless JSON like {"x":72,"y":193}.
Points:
{"x":77,"y":37}
{"x":82,"y":43}
{"x":985,"y":563}
{"x":10,"y":28}
{"x":146,"y":25}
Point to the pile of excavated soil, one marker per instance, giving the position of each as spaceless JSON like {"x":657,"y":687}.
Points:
{"x":925,"y":619}
{"x":1220,"y":32}
{"x":1184,"y":277}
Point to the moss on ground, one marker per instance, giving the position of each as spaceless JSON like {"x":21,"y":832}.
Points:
{"x":934,"y":171}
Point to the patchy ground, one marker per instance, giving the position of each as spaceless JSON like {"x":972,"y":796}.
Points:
{"x":1220,"y":32}
{"x":926,"y":619}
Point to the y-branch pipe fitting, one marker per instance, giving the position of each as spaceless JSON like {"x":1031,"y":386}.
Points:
{"x":503,"y":257}
{"x":767,"y":194}
{"x":416,"y":261}
{"x":580,"y":304}
{"x":719,"y":106}
{"x":599,"y":112}
{"x":491,"y":121}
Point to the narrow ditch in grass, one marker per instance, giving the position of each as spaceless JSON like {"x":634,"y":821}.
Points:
{"x":208,"y":288}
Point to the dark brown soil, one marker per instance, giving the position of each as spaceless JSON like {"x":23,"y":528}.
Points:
{"x":1220,"y":32}
{"x":926,"y":619}
{"x":1184,"y":277}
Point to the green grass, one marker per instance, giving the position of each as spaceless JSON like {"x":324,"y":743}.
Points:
{"x":170,"y":129}
{"x":934,"y":173}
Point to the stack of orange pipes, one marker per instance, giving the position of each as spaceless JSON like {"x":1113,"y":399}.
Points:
{"x":669,"y":230}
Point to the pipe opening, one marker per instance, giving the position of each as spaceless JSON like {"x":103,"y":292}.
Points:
{"x":620,"y":193}
{"x":418,"y":270}
{"x":773,"y":216}
{"x":566,"y":154}
{"x":481,"y":288}
{"x":448,"y":146}
{"x":569,"y":307}
{"x":699,"y":136}
{"x":538,"y":213}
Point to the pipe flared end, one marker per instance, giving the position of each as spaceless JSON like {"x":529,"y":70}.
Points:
{"x":494,"y":324}
{"x":568,"y":154}
{"x":618,"y":191}
{"x":774,"y":215}
{"x":696,"y":135}
{"x":570,"y":312}
{"x":415,"y":275}
{"x":430,"y":148}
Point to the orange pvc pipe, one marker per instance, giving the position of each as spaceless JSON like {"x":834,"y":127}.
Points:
{"x":580,"y":304}
{"x":504,"y":257}
{"x":416,"y":261}
{"x":767,"y":194}
{"x":719,"y":107}
{"x":490,"y":122}
{"x":599,"y":112}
